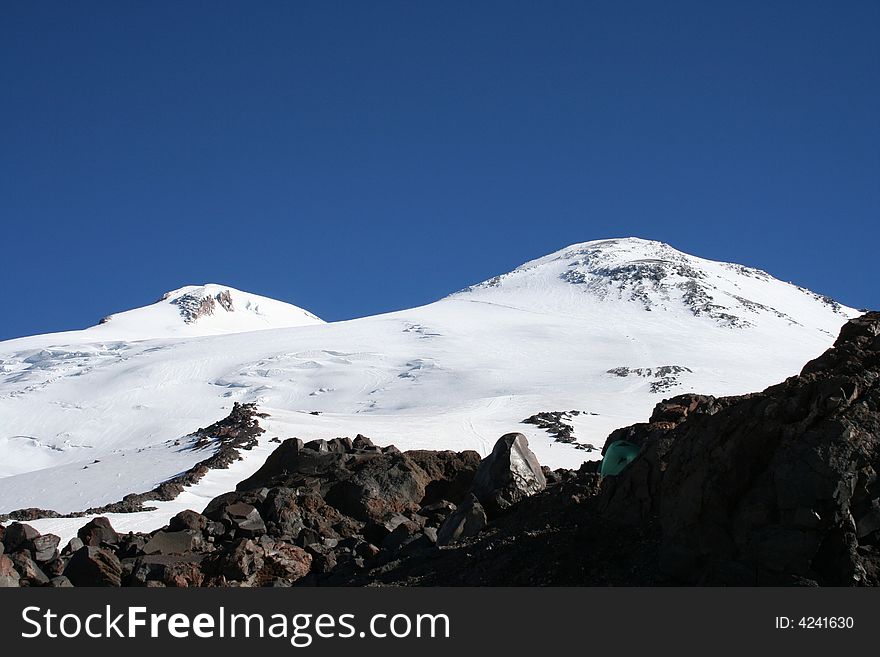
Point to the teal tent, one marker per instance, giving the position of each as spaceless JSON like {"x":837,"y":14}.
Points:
{"x":619,"y":454}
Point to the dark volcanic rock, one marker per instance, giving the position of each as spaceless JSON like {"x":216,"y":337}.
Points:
{"x":508,"y":475}
{"x":284,"y":562}
{"x":94,"y":566}
{"x":188,"y":520}
{"x":246,"y":519}
{"x":60,"y":582}
{"x":771,"y":488}
{"x":169,"y":570}
{"x":98,"y":531}
{"x":468,"y":519}
{"x":362,"y":481}
{"x":450,"y":474}
{"x":19,"y":536}
{"x":30,"y":572}
{"x":242,"y":561}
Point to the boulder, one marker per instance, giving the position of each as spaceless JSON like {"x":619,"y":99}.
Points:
{"x":130,"y":545}
{"x":246,"y":519}
{"x":45,"y":547}
{"x":53,"y":568}
{"x":30,"y":572}
{"x":179,"y":542}
{"x":242,"y":560}
{"x":96,"y":532}
{"x":9,"y":577}
{"x":283,"y":513}
{"x":94,"y":566}
{"x":468,"y":519}
{"x":19,"y":536}
{"x":285,"y":562}
{"x":182,"y":574}
{"x":404,"y":533}
{"x":508,"y":475}
{"x":216,"y":509}
{"x":188,"y":520}
{"x":362,"y":481}
{"x":376,"y":485}
{"x":181,"y":571}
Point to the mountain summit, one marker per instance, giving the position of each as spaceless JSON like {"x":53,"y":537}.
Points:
{"x":189,"y":311}
{"x":633,"y":273}
{"x":208,"y":309}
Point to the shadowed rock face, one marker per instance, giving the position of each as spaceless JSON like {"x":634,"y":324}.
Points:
{"x":776,"y":487}
{"x":363,"y":481}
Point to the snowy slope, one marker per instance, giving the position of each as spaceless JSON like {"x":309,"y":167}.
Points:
{"x":608,"y":327}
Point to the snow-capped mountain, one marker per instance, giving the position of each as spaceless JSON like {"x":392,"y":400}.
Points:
{"x":655,"y":277}
{"x":190,"y":311}
{"x":606,"y":327}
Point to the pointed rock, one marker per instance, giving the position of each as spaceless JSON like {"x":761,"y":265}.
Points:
{"x":509,"y":474}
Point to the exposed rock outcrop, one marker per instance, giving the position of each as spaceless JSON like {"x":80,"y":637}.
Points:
{"x":778,"y":487}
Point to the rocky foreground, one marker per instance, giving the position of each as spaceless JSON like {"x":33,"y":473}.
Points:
{"x":772,"y":488}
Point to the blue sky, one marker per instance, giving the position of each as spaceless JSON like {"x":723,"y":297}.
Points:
{"x":360,"y":157}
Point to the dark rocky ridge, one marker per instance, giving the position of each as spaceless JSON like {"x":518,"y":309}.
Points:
{"x":772,"y":488}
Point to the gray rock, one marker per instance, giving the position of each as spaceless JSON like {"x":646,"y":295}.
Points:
{"x":179,"y":542}
{"x":45,"y":547}
{"x":246,"y":519}
{"x":870,"y":521}
{"x":468,"y":519}
{"x":508,"y":475}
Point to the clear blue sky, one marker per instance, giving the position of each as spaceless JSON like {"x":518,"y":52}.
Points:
{"x":358,"y":157}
